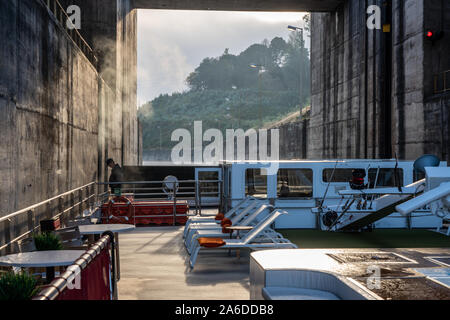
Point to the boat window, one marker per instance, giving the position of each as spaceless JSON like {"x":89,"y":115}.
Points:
{"x":256,"y":183}
{"x":340,"y":175}
{"x":295,"y":183}
{"x":386,"y":177}
{"x":209,"y":189}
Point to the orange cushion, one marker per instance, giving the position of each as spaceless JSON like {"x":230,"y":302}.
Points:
{"x":219,"y":216}
{"x":226,"y":222}
{"x":211,"y":242}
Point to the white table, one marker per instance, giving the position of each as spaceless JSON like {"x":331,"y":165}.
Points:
{"x":42,"y":259}
{"x":98,"y":229}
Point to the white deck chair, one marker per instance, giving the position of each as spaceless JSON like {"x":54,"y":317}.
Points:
{"x":235,"y":220}
{"x":251,"y":240}
{"x":200,"y":219}
{"x":249,"y":220}
{"x":205,"y":219}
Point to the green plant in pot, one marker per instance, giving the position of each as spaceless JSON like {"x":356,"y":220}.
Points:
{"x":47,"y":241}
{"x":14,"y":287}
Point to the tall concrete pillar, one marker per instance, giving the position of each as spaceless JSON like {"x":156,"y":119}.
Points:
{"x":110,"y":28}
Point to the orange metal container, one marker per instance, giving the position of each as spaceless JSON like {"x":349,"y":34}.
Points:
{"x":124,"y":210}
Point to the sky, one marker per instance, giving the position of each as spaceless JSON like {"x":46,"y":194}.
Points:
{"x":171,"y":44}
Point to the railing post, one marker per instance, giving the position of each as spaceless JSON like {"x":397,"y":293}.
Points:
{"x":220,"y":195}
{"x":49,"y":213}
{"x":7,"y":231}
{"x":91,"y":196}
{"x":174,"y":203}
{"x":62,"y":216}
{"x":72,"y":204}
{"x":30,"y":219}
{"x":200,"y":197}
{"x":80,"y":202}
{"x":196,"y":197}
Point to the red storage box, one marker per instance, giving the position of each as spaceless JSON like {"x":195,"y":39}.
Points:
{"x":124,"y":210}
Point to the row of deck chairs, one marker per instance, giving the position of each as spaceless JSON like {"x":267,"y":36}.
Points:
{"x":202,"y":233}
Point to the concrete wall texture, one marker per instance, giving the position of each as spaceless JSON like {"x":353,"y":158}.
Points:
{"x":358,"y":108}
{"x":60,"y":118}
{"x":373,"y":92}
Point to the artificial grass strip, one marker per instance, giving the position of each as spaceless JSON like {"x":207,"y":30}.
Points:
{"x":378,"y":238}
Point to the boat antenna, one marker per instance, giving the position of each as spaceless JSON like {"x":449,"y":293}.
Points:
{"x":329,"y":181}
{"x":396,"y":174}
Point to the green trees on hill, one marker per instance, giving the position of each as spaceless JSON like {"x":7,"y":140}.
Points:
{"x":226,"y":92}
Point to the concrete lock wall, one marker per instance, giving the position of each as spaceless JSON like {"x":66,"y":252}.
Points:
{"x":356,"y":112}
{"x":60,"y":119}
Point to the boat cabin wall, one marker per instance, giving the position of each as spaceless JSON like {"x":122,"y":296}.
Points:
{"x":298,"y":186}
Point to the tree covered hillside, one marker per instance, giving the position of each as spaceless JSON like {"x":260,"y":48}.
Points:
{"x":260,"y":85}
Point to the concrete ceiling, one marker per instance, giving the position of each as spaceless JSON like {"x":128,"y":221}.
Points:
{"x":240,"y":5}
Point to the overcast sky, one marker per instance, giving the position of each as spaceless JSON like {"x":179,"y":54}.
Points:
{"x":171,"y":44}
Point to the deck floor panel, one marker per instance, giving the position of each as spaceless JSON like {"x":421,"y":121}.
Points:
{"x":154,"y":266}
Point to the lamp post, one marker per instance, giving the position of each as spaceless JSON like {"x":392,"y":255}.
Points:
{"x":237,"y":108}
{"x":261,"y":69}
{"x":160,"y":139}
{"x":293,"y":28}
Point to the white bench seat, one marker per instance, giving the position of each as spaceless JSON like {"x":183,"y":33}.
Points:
{"x":287,"y":293}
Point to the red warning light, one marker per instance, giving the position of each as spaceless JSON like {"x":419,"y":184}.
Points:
{"x":430,"y":34}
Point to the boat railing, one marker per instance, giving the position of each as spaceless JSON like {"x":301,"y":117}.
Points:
{"x":189,"y":190}
{"x":85,"y":270}
{"x":88,"y":198}
{"x":23,"y":223}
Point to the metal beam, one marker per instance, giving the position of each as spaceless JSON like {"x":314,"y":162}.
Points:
{"x":240,"y":5}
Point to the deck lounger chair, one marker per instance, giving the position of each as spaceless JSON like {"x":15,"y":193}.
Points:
{"x":215,"y":221}
{"x":250,"y":240}
{"x":235,"y":220}
{"x":221,"y":232}
{"x":201,"y":219}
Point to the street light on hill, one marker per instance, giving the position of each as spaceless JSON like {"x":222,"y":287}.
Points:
{"x":261,"y":69}
{"x":294,"y":28}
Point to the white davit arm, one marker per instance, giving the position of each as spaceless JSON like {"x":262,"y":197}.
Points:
{"x":430,"y":196}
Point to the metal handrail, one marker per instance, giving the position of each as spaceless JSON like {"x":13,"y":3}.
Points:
{"x":31,"y":212}
{"x":58,"y":285}
{"x":12,"y":215}
{"x":76,"y":37}
{"x":195,"y":195}
{"x":33,"y":225}
{"x":148,"y":182}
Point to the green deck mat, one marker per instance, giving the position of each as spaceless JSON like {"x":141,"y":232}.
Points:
{"x":378,"y":238}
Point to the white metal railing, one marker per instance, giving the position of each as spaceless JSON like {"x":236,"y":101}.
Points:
{"x":61,"y":16}
{"x":11,"y":225}
{"x":154,"y":190}
{"x":71,"y":204}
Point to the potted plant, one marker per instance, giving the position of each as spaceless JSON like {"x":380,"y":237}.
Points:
{"x":16,"y":287}
{"x":47,"y":241}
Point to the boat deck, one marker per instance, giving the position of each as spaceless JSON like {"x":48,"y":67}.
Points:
{"x":154,"y":266}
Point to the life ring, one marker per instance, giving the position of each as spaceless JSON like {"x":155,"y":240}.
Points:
{"x":116,"y":216}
